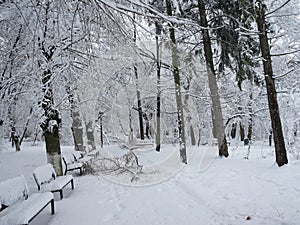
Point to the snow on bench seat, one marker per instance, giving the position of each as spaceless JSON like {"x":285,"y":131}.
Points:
{"x":46,"y":180}
{"x":20,"y":207}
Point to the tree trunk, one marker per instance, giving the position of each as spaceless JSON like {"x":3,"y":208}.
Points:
{"x":158,"y":68}
{"x":50,"y":131}
{"x":51,"y":125}
{"x":90,"y":134}
{"x":242,"y":132}
{"x":52,"y":120}
{"x":193,"y":138}
{"x":280,"y":150}
{"x":188,"y":115}
{"x":250,"y":122}
{"x":138,"y":93}
{"x":53,"y":150}
{"x":175,"y":63}
{"x":217,"y":119}
{"x":139,"y":102}
{"x":233,"y":131}
{"x":77,"y":129}
{"x":15,"y":139}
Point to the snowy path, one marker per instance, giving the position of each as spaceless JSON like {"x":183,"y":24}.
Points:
{"x":225,"y":193}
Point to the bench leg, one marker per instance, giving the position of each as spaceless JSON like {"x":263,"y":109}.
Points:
{"x":52,"y":207}
{"x":72,"y":184}
{"x":80,"y":171}
{"x":61,"y":194}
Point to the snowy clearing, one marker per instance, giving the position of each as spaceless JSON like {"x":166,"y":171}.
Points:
{"x":210,"y":191}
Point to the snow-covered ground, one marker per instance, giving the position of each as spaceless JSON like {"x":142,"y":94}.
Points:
{"x":208,"y":190}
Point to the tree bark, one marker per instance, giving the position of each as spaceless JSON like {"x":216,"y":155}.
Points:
{"x":176,"y":75}
{"x":50,"y":128}
{"x":77,"y":129}
{"x":242,"y":132}
{"x":250,"y":121}
{"x":158,"y":103}
{"x":217,"y":117}
{"x":90,"y":134}
{"x":280,"y":150}
{"x":52,"y":120}
{"x":138,"y":93}
{"x":139,"y":103}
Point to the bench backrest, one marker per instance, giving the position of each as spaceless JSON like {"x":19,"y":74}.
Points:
{"x":77,"y":155}
{"x":68,"y":158}
{"x":144,"y":142}
{"x":44,"y":174}
{"x":13,"y":190}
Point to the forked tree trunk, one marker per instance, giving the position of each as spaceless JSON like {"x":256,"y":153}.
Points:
{"x":280,"y":150}
{"x":175,"y":64}
{"x":217,"y":119}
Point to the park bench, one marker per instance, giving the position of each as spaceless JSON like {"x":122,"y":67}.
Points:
{"x":46,"y":180}
{"x":17,"y":206}
{"x":90,"y":152}
{"x":81,"y":157}
{"x":145,"y":142}
{"x":71,"y":164}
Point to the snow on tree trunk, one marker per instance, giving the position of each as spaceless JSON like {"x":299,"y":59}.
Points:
{"x":77,"y":131}
{"x":189,"y":116}
{"x":175,"y":64}
{"x":139,"y":103}
{"x":217,"y":117}
{"x":280,"y":150}
{"x":77,"y":128}
{"x":50,"y":131}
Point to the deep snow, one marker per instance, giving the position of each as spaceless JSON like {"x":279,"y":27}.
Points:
{"x":209,"y":190}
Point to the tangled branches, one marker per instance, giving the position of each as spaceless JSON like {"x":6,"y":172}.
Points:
{"x":128,"y":163}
